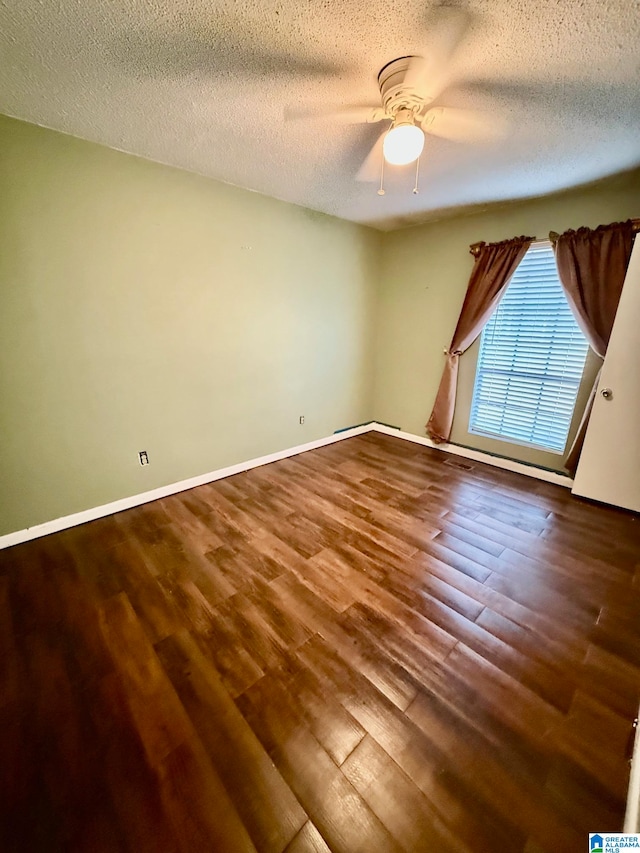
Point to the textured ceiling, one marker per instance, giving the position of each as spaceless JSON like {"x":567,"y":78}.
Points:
{"x":206,"y":86}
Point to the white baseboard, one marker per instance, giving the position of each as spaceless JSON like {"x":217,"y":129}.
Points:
{"x":76,"y":518}
{"x":478,"y":456}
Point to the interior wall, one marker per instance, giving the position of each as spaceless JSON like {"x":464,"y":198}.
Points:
{"x":145,"y":308}
{"x":424,"y":276}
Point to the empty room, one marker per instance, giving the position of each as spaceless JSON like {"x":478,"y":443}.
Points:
{"x":319,"y":426}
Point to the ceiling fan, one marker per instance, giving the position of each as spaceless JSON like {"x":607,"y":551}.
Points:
{"x":408,"y":86}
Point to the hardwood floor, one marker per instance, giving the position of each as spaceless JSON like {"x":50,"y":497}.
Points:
{"x":368,"y":647}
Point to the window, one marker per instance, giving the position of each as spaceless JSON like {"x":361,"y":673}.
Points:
{"x":532,"y":355}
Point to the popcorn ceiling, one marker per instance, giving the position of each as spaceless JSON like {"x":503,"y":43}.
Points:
{"x":204,"y":86}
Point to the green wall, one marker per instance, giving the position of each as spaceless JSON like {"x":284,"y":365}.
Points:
{"x":425,"y":271}
{"x":145,"y":308}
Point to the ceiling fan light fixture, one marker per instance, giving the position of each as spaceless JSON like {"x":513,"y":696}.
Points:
{"x":403,"y":144}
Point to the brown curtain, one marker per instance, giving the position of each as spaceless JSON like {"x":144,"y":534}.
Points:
{"x":592,"y":265}
{"x":494,"y":266}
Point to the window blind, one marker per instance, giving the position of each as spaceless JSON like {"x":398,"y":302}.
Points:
{"x":531,"y":360}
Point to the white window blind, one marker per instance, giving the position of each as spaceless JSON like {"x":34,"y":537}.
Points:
{"x":531,"y":359}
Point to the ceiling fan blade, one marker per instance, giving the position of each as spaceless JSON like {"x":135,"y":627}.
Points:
{"x":240,"y":53}
{"x":459,"y":125}
{"x":429,"y":75}
{"x":370,"y":169}
{"x":353,"y":114}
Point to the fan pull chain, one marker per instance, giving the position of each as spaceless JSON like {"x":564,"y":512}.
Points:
{"x":381,"y":190}
{"x":415,"y":189}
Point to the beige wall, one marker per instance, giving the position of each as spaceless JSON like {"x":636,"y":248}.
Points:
{"x":144,"y":308}
{"x":424,"y":276}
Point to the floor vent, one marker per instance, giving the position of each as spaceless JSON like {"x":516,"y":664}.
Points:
{"x":466,"y":466}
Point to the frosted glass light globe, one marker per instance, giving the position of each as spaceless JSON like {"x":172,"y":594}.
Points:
{"x":403,"y":144}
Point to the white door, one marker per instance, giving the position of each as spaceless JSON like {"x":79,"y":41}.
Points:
{"x":609,"y":467}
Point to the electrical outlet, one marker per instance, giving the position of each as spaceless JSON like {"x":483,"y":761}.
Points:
{"x":144,"y":457}
{"x":301,"y":419}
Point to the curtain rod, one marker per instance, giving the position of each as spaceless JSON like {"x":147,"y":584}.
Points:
{"x":474,"y":248}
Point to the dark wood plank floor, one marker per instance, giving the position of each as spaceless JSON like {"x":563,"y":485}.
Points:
{"x":368,"y":647}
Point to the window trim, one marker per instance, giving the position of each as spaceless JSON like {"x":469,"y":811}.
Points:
{"x":474,"y":429}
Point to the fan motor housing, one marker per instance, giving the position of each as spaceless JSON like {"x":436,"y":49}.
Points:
{"x":395,"y":95}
